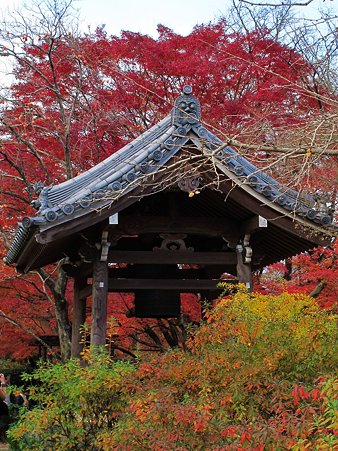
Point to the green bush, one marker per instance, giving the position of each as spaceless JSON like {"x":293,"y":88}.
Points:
{"x":260,"y":374}
{"x":74,"y":403}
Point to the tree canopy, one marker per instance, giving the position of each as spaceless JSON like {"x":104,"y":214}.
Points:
{"x":75,"y":98}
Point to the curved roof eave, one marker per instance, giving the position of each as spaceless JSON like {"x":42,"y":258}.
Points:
{"x":125,"y":169}
{"x":259,"y":184}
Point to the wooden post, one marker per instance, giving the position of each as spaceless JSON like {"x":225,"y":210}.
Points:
{"x":99,"y":306}
{"x":243,"y":268}
{"x":79,"y":317}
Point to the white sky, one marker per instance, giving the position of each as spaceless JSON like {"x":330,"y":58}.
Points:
{"x":144,"y":15}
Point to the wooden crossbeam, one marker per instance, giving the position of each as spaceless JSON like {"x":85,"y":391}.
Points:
{"x":182,"y":285}
{"x":138,"y":224}
{"x":173,"y":257}
{"x":163,"y":284}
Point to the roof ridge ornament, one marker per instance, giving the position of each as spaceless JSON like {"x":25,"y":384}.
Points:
{"x":187,"y":109}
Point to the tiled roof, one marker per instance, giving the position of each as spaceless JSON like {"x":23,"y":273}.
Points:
{"x":120,"y":173}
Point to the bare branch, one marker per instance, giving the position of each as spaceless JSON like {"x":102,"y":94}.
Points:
{"x":23,"y":328}
{"x":278,"y":4}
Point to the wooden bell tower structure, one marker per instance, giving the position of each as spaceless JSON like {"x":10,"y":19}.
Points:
{"x":170,"y":212}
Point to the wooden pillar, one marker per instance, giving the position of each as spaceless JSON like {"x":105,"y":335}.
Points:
{"x":79,"y":318}
{"x":244,"y":265}
{"x":99,"y":306}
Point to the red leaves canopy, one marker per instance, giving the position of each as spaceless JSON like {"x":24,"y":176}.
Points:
{"x":76,"y":100}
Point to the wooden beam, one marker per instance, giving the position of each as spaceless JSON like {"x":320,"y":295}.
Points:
{"x":81,"y":271}
{"x":132,"y":271}
{"x":163,"y":284}
{"x":173,"y":257}
{"x":253,"y":224}
{"x":85,"y":270}
{"x":137,"y":224}
{"x":188,"y":286}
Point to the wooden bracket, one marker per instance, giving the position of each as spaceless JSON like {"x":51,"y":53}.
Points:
{"x":247,"y":249}
{"x":244,"y":256}
{"x":104,"y":246}
{"x":244,"y":249}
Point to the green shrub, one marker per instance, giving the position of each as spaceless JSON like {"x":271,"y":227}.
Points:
{"x":260,"y":374}
{"x":74,"y":404}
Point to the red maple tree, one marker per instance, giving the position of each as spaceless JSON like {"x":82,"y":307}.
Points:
{"x":313,"y":273}
{"x":76,"y":99}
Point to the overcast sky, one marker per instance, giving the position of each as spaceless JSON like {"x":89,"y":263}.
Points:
{"x":144,"y":15}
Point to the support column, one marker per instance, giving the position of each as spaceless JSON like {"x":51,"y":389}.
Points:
{"x":79,"y":317}
{"x":244,"y":253}
{"x":99,"y":306}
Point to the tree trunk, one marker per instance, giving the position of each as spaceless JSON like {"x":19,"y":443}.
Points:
{"x":64,"y":327}
{"x":79,"y":318}
{"x":318,"y":289}
{"x":57,"y":288}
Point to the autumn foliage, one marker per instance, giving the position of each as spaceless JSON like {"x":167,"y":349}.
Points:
{"x":259,"y":374}
{"x":313,"y":273}
{"x":77,"y":98}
